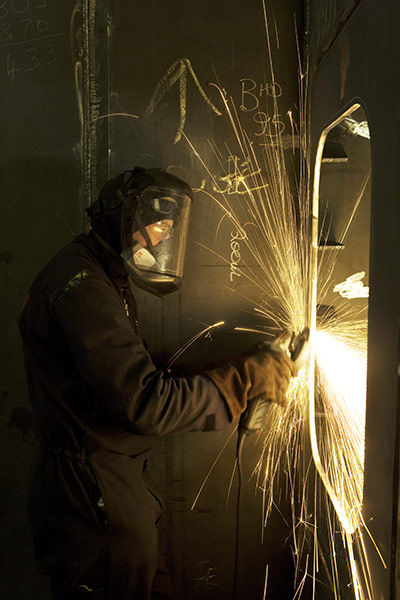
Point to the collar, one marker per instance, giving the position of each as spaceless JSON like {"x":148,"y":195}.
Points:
{"x":109,"y":259}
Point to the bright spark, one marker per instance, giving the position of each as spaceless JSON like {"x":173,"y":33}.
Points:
{"x":259,"y":190}
{"x":338,"y":439}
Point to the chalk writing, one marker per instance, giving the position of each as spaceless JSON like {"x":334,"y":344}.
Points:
{"x":19,"y":6}
{"x":26,"y":35}
{"x":236,"y":238}
{"x":251,"y":93}
{"x":269,"y":126}
{"x":178,"y":71}
{"x":240,"y":179}
{"x":250,"y":100}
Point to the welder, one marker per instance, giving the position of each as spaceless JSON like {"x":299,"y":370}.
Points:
{"x":99,"y":401}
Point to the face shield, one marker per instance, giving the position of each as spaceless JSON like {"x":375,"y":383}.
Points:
{"x":153,"y":237}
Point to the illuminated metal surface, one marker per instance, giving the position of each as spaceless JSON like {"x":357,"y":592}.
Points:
{"x":276,"y":236}
{"x":339,"y":370}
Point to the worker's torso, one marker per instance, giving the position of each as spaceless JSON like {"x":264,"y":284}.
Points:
{"x":68,"y":414}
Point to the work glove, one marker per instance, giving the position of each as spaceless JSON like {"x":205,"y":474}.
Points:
{"x":262,"y":372}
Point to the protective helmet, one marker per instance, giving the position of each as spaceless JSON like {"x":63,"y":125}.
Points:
{"x":154,"y":224}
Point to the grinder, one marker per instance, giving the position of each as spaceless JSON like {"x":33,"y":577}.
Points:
{"x":252,"y":420}
{"x":298,"y":348}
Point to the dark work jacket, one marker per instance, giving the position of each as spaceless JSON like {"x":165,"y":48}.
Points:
{"x":97,"y":397}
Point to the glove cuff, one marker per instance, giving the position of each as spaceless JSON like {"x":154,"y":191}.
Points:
{"x":231,"y":386}
{"x":265,"y":374}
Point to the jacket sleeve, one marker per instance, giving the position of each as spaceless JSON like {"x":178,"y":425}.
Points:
{"x":120,"y":373}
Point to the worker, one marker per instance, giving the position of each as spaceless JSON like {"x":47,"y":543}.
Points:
{"x":99,"y":401}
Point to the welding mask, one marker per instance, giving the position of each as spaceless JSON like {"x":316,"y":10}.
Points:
{"x":154,"y":225}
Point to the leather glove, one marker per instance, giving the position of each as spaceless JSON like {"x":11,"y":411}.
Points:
{"x":259,"y":373}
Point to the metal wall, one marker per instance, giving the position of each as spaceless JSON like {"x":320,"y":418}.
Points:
{"x":64,"y":68}
{"x":354,"y":58}
{"x":41,"y":209}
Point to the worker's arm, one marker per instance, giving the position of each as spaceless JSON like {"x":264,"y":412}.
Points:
{"x":114,"y":362}
{"x":120,"y":373}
